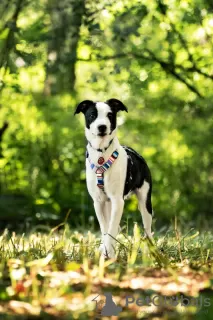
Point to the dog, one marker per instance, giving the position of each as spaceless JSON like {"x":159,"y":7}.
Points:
{"x":113,"y":171}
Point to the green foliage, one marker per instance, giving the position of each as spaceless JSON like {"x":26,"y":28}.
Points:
{"x":155,"y":56}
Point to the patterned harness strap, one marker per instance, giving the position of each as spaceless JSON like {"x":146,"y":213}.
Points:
{"x":100,"y":170}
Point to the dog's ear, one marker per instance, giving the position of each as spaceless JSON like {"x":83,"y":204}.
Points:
{"x":83,"y":106}
{"x":116,"y":105}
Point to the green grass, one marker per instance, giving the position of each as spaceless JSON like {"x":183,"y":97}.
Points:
{"x":57,"y":274}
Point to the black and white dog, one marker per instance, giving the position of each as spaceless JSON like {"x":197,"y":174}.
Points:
{"x":113,"y":171}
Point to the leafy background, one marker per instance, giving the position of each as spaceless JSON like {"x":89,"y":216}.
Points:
{"x":154,"y":55}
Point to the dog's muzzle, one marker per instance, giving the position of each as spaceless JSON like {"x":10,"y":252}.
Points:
{"x":102,"y":130}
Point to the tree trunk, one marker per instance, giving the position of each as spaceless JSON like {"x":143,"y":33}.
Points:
{"x":66,"y":19}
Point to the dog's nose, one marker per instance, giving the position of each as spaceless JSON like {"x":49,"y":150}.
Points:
{"x":102,"y":128}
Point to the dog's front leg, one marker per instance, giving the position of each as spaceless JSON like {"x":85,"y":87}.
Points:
{"x":99,"y":210}
{"x":117,"y":205}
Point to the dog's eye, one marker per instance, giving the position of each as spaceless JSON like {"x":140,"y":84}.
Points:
{"x":110,"y":116}
{"x":92,"y":116}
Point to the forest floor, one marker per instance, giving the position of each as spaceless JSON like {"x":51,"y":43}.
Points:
{"x":60,"y":275}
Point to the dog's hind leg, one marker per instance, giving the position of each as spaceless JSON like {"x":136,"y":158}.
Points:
{"x":145,"y":207}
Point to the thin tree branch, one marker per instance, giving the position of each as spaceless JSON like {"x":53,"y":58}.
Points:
{"x":184,"y":43}
{"x":103,"y":58}
{"x":194,"y":69}
{"x":168,"y":67}
{"x":185,"y":81}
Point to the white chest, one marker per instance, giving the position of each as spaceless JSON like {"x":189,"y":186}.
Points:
{"x":114,"y":178}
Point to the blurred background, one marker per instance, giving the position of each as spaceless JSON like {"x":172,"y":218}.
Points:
{"x":156,"y":56}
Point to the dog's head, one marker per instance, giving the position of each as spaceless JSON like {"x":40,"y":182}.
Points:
{"x":100,"y":117}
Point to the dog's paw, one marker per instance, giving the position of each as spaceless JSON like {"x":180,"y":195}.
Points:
{"x":101,"y":248}
{"x":109,"y":254}
{"x":107,"y":251}
{"x":148,"y":235}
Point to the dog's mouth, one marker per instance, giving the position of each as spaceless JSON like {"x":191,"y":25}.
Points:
{"x":102,"y":134}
